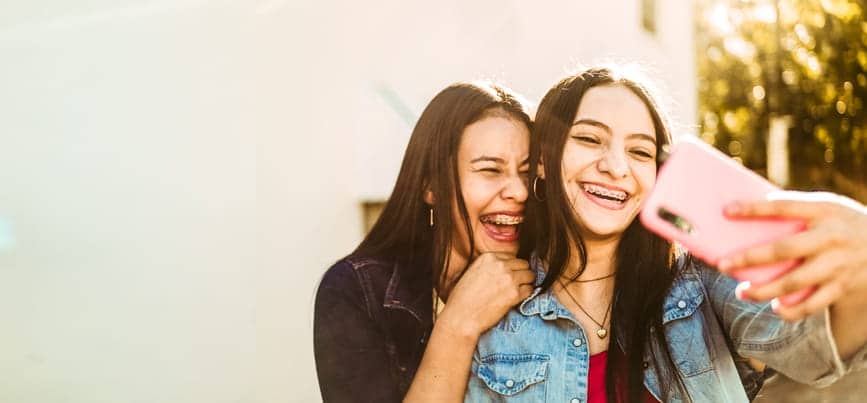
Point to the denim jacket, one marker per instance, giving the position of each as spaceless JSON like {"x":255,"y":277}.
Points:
{"x":530,"y":356}
{"x":370,"y":328}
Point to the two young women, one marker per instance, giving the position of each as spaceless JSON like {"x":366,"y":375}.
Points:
{"x":604,"y":309}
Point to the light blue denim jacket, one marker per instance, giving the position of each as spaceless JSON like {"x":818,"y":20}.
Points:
{"x":531,"y":356}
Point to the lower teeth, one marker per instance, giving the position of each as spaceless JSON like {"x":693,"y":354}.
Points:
{"x":607,"y":197}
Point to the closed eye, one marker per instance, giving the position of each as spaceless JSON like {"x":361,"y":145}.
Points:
{"x":642,"y":153}
{"x":492,"y":170}
{"x":586,"y":139}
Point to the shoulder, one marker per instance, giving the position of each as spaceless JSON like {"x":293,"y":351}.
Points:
{"x":693,"y":268}
{"x":688,"y":290}
{"x":350,"y":268}
{"x":715,"y":283}
{"x":353,"y":275}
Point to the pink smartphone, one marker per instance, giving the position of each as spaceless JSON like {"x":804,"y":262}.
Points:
{"x":686,"y":206}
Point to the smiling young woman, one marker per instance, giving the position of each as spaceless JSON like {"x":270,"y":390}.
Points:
{"x":618,"y":314}
{"x":449,"y":232}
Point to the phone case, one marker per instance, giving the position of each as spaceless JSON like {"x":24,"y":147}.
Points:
{"x":686,"y":206}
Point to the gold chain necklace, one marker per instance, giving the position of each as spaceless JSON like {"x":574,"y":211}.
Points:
{"x":601,"y":332}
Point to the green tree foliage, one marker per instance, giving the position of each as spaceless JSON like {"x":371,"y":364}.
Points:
{"x":803,"y":58}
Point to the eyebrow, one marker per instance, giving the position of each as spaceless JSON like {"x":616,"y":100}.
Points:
{"x":487,"y":158}
{"x":592,"y":122}
{"x":496,"y":159}
{"x":642,"y":136}
{"x":603,"y":126}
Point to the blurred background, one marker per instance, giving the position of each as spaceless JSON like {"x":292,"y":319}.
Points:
{"x":176,"y":175}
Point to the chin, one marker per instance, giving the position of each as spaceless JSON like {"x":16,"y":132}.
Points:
{"x":501,"y":248}
{"x":605,"y":230}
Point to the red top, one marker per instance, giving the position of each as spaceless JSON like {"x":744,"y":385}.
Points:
{"x":596,"y":380}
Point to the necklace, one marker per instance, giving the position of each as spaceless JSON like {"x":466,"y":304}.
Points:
{"x":601,"y":332}
{"x":593,"y":279}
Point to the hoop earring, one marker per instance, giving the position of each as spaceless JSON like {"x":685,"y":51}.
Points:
{"x":431,"y":218}
{"x":535,"y":192}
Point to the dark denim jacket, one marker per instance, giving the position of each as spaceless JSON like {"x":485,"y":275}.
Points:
{"x":371,"y":325}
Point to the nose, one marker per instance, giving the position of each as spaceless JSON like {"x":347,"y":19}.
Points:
{"x":613,"y":162}
{"x":515,"y":188}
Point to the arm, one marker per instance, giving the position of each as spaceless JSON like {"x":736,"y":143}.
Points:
{"x":351,"y":361}
{"x":834,"y":253}
{"x":802,"y":350}
{"x":492,"y":285}
{"x":445,"y":367}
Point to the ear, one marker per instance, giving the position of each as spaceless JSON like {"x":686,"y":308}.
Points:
{"x":428,"y":197}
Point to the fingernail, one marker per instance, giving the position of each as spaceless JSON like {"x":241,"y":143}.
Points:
{"x":775,"y":305}
{"x":741,"y":289}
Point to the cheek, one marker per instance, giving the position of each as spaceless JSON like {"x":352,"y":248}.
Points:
{"x":645,"y":175}
{"x":575,"y":160}
{"x":568,"y":170}
{"x":477,"y":193}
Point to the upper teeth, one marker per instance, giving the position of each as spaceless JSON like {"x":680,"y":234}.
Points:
{"x":616,"y":194}
{"x":502,"y":219}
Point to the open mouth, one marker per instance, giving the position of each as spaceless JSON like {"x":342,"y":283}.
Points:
{"x":605,"y":196}
{"x":501,"y":226}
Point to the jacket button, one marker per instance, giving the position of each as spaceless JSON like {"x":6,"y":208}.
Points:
{"x":575,"y":400}
{"x":681,"y":304}
{"x":510,"y":383}
{"x":577,"y":342}
{"x":645,"y":364}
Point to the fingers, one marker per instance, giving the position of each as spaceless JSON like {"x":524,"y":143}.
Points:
{"x":488,"y":257}
{"x":501,"y":255}
{"x":795,"y":246}
{"x":524,"y":291}
{"x":524,"y":277}
{"x":519,"y":264}
{"x":498,"y":261}
{"x":812,"y":272}
{"x":806,"y":205}
{"x":819,"y":300}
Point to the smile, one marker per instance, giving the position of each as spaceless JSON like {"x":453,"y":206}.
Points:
{"x":502,"y":227}
{"x":607,"y":197}
{"x":502,"y":219}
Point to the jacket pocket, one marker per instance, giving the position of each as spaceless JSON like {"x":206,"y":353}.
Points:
{"x":519,"y":375}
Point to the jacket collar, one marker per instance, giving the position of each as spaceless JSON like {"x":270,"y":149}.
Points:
{"x":408,"y":294}
{"x":542,"y":303}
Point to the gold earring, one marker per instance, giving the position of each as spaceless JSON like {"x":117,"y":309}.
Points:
{"x":535,"y":193}
{"x":431,"y":217}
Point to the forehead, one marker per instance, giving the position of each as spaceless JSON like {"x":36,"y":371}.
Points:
{"x":495,"y":136}
{"x":618,"y":107}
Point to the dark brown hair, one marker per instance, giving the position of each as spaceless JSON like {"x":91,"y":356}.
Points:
{"x":402,"y":232}
{"x":643,"y":260}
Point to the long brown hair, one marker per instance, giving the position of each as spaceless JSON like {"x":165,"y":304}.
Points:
{"x":644,"y":264}
{"x":402,"y":233}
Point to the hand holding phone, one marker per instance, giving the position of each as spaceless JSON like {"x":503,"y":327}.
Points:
{"x":686,"y":206}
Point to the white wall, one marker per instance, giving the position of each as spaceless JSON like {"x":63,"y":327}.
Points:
{"x":127,"y":169}
{"x":175,"y":175}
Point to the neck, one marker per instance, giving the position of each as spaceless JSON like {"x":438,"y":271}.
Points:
{"x":452,"y":270}
{"x":601,"y":259}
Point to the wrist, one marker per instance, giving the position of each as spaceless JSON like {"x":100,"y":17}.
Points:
{"x":456,"y":327}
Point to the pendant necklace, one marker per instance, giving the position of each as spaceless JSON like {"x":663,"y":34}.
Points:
{"x":601,"y":332}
